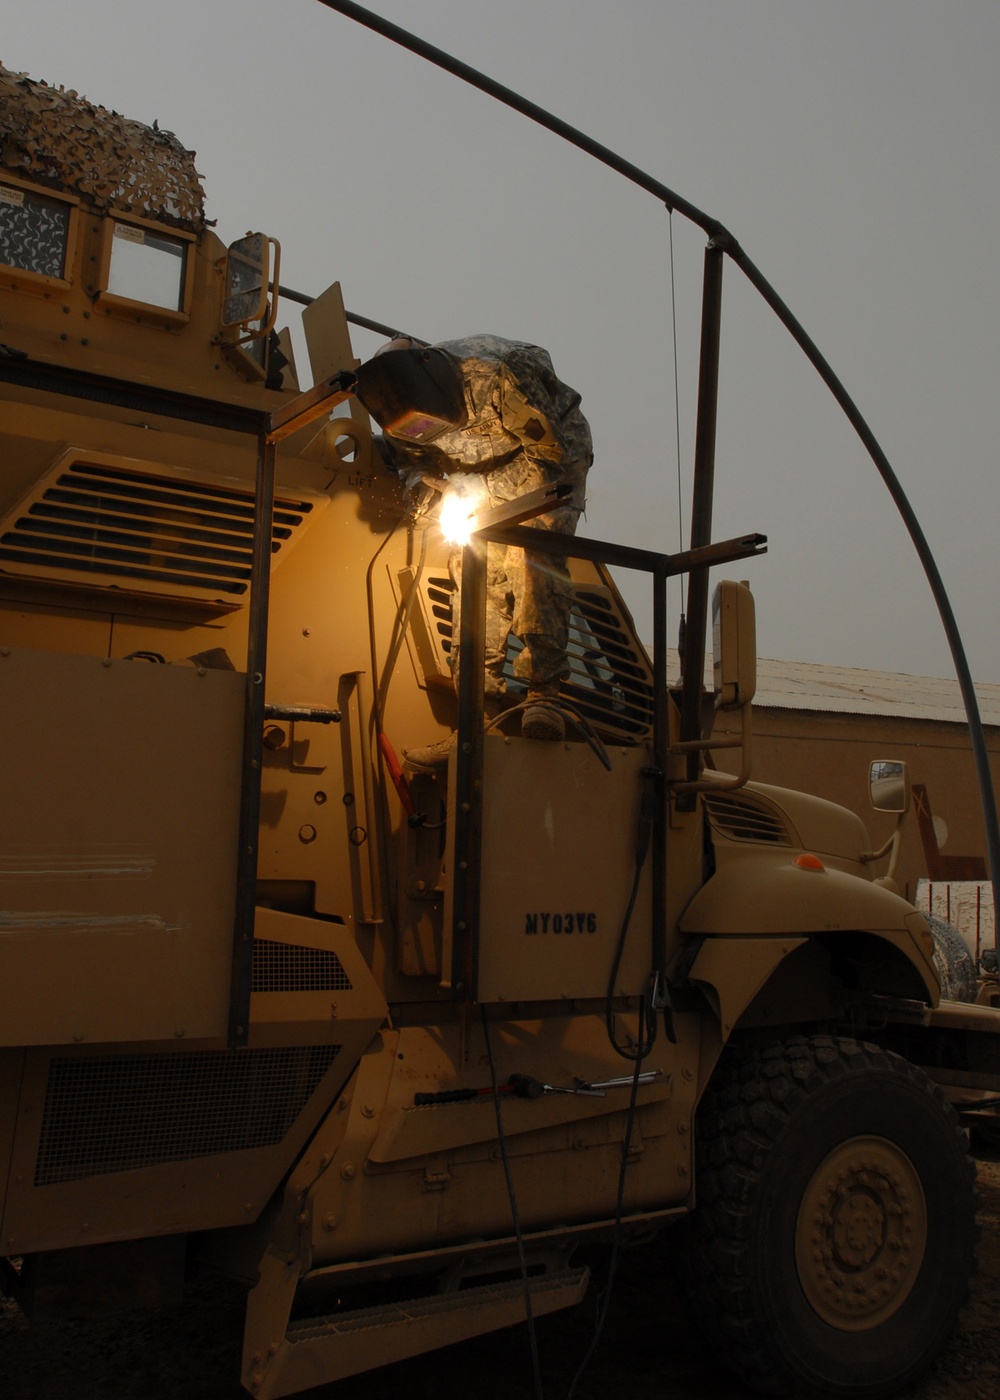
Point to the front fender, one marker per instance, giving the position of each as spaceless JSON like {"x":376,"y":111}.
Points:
{"x":761,"y":896}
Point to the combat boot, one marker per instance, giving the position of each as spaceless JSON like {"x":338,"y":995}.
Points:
{"x":433,"y":758}
{"x":542,"y":719}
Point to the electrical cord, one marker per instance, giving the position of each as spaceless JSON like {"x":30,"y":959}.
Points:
{"x":399,"y":631}
{"x":604,"y":1302}
{"x":369,"y":595}
{"x":646,"y":1039}
{"x":642,"y":1049}
{"x":374,"y":723}
{"x":399,"y":628}
{"x":515,"y":1214}
{"x":569,"y":712}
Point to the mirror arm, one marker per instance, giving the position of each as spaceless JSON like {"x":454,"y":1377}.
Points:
{"x":890,"y":847}
{"x":706,"y":745}
{"x":729,"y":785}
{"x":867,"y":857}
{"x":272,"y":317}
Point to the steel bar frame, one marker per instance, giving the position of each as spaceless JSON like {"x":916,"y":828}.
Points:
{"x":724,"y":240}
{"x":468,"y":811}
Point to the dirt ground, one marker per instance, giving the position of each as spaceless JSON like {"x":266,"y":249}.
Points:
{"x":646,"y":1350}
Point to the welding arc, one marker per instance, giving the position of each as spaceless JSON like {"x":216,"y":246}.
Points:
{"x":723,"y":239}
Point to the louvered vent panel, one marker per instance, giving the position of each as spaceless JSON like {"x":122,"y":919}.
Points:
{"x":441,"y":595}
{"x":610,"y":682}
{"x":114,"y":1113}
{"x":289,"y":967}
{"x":107,"y":524}
{"x":742,"y":819}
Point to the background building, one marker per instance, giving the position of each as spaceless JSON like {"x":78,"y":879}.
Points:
{"x":817,"y":728}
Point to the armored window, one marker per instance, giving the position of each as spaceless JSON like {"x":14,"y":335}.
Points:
{"x":34,"y":232}
{"x":147,"y":267}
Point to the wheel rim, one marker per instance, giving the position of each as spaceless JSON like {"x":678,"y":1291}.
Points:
{"x":861,"y":1234}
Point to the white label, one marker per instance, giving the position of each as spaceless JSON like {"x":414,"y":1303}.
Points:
{"x":130,"y":234}
{"x":9,"y":196}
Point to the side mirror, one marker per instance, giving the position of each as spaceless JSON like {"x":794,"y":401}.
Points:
{"x":248,"y":274}
{"x":734,"y":637}
{"x":734,"y":642}
{"x":889,"y":786}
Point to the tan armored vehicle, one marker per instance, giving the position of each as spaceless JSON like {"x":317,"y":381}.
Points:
{"x":269,"y":1008}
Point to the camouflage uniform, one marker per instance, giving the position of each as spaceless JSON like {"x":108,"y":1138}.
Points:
{"x":524,"y":431}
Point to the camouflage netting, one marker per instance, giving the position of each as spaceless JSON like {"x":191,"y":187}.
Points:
{"x":56,"y":138}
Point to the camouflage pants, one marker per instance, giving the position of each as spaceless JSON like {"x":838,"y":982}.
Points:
{"x":527,"y":594}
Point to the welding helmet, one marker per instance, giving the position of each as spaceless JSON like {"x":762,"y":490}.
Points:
{"x":414,"y":393}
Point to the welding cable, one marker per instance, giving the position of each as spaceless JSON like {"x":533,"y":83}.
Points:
{"x":381,"y":814}
{"x":569,"y":712}
{"x":604,"y":1302}
{"x":385,"y":677}
{"x":609,"y":1001}
{"x":385,"y":674}
{"x":515,"y":1213}
{"x":642,"y":838}
{"x":370,"y":597}
{"x":400,"y":625}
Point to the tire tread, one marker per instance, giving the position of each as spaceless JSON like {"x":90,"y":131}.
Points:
{"x":743,"y":1118}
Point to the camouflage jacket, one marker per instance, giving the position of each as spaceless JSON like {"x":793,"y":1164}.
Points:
{"x":524,"y":426}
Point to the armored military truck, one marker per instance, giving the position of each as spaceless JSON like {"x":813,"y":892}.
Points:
{"x":389,"y":1048}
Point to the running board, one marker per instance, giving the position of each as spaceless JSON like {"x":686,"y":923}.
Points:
{"x":322,"y":1349}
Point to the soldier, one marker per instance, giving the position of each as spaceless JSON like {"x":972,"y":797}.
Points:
{"x":495,"y":408}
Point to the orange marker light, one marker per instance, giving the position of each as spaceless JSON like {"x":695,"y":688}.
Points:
{"x":807,"y":861}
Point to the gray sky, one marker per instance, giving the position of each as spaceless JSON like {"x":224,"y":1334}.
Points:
{"x":851,"y":146}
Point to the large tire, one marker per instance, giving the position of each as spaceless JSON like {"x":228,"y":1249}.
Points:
{"x":835,"y":1230}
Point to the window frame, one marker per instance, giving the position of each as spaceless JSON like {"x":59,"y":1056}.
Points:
{"x":113,"y":304}
{"x":22,"y":278}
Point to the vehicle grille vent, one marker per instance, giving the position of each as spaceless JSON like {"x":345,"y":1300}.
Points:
{"x":111,"y":525}
{"x":441,"y":596}
{"x":610,"y":681}
{"x":288,"y":967}
{"x":741,"y":818}
{"x":115,"y":1113}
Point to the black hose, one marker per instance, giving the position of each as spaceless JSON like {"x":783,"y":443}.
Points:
{"x":605,"y":1301}
{"x":514,"y":1212}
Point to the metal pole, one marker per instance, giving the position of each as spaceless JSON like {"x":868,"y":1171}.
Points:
{"x":469,"y":773}
{"x":661,"y":743}
{"x":693,"y":660}
{"x":253,"y":733}
{"x":509,"y":98}
{"x":977,"y":737}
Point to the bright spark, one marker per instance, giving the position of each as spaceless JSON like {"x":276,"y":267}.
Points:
{"x":462,"y":500}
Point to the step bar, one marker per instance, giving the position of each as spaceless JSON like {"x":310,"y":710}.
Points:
{"x":318,"y":1350}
